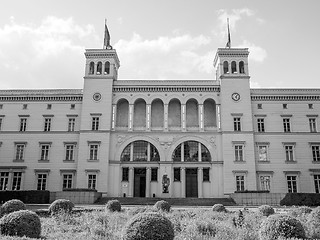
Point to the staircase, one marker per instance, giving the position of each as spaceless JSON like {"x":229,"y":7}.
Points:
{"x":171,"y":201}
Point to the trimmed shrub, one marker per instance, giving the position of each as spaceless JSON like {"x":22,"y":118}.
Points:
{"x":61,"y":206}
{"x":146,"y":226}
{"x":266,"y":210}
{"x":238,"y":221}
{"x":12,"y":206}
{"x":301,"y":199}
{"x":218,"y":208}
{"x":206,"y":228}
{"x":162,"y":206}
{"x":26,"y":196}
{"x":21,"y":223}
{"x":284,"y":226}
{"x":300,"y":211}
{"x":113,"y":206}
{"x":313,"y":223}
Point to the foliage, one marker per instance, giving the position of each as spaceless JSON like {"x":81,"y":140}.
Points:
{"x":146,"y":226}
{"x":284,"y":226}
{"x":266,"y":210}
{"x":61,"y":206}
{"x":313,"y":223}
{"x":21,"y":223}
{"x":26,"y":196}
{"x":218,"y":208}
{"x":206,"y":228}
{"x":238,"y":221}
{"x":113,"y":206}
{"x":300,"y":211}
{"x":301,"y":199}
{"x":162,"y":206}
{"x":12,"y":206}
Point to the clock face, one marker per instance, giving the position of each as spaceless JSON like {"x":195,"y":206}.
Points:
{"x":96,"y":97}
{"x":235,"y":96}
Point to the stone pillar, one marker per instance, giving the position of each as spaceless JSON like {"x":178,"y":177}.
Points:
{"x":218,"y":117}
{"x":183,"y":182}
{"x":131,"y":181}
{"x":148,"y":182}
{"x":114,"y":111}
{"x":200,"y":182}
{"x":182,"y":152}
{"x":166,"y":110}
{"x":148,"y":117}
{"x":171,"y":188}
{"x":201,"y":117}
{"x":130,"y":117}
{"x":199,"y":152}
{"x":183,"y":117}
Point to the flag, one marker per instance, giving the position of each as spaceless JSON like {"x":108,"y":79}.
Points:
{"x":228,"y":45}
{"x":106,"y":42}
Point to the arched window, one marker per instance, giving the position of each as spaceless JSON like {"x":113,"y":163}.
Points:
{"x":174,"y":114}
{"x":140,"y":151}
{"x":139,"y":118}
{"x":225,"y":67}
{"x":99,"y":68}
{"x":209,"y":109}
{"x":191,"y":151}
{"x":233,"y":67}
{"x":91,"y":68}
{"x":157,"y":114}
{"x":122,"y":113}
{"x":241,"y":67}
{"x":106,"y":68}
{"x":192,"y":113}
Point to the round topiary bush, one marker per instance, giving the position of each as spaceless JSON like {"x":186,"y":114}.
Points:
{"x":313,"y":223}
{"x":284,"y":226}
{"x":300,"y":211}
{"x":218,"y":208}
{"x":146,"y":226}
{"x":113,"y":206}
{"x":162,"y":206}
{"x":21,"y":223}
{"x":266,"y":210}
{"x":206,"y":228}
{"x":61,"y":206}
{"x":12,"y":206}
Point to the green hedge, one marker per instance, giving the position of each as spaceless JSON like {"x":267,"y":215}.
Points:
{"x":28,"y":196}
{"x":301,"y":199}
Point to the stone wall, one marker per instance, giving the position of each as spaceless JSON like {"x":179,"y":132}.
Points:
{"x":76,"y":197}
{"x":254,"y":199}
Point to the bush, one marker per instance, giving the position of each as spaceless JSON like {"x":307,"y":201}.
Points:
{"x":266,"y":210}
{"x":26,"y":196}
{"x":12,"y":206}
{"x":284,"y":226}
{"x":146,"y":226}
{"x":162,"y":206}
{"x":21,"y":223}
{"x":61,"y":206}
{"x":218,"y":208}
{"x":206,"y":228}
{"x":238,"y":221}
{"x":313,"y":223}
{"x":301,"y":199}
{"x":113,"y":206}
{"x":300,"y":211}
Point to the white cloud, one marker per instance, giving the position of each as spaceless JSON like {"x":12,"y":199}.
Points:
{"x":257,"y":53}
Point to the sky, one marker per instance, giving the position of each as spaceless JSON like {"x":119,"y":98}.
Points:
{"x":42,"y":42}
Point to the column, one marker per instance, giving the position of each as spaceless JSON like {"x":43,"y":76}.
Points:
{"x":131,"y":152}
{"x":183,"y":182}
{"x":130,"y":117}
{"x":201,"y":121}
{"x":200,"y":182}
{"x":218,"y":117}
{"x":183,"y":116}
{"x":148,"y":181}
{"x":131,"y":181}
{"x":166,"y":110}
{"x":148,"y":152}
{"x":148,"y":113}
{"x":171,"y":188}
{"x":113,"y":116}
{"x":10,"y":180}
{"x":199,"y":152}
{"x":182,"y":152}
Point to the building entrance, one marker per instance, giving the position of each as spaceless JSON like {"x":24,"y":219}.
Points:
{"x":139,"y":182}
{"x":191,"y":182}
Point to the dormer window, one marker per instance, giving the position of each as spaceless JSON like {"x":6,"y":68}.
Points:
{"x":233,"y":67}
{"x":225,"y":67}
{"x":107,"y":68}
{"x":99,"y":68}
{"x":241,"y":67}
{"x":91,"y":68}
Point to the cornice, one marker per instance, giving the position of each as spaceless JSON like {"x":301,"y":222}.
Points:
{"x":166,"y":89}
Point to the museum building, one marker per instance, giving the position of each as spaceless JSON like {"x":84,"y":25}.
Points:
{"x":161,"y":138}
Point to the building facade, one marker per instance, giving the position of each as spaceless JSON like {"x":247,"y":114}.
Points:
{"x":150,"y":138}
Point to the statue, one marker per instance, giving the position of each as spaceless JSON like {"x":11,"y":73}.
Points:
{"x":165,"y":183}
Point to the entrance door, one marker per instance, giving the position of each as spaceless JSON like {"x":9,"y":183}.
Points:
{"x":192,"y":182}
{"x":139,"y":182}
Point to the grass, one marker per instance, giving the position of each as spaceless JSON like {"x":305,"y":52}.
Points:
{"x":193,"y":224}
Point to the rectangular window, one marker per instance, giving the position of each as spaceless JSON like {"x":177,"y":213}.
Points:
{"x":49,"y":106}
{"x":292,"y":184}
{"x":312,"y":125}
{"x":93,"y":151}
{"x":316,"y":179}
{"x":265,"y":183}
{"x":44,"y":156}
{"x":286,"y":124}
{"x":16,"y":181}
{"x":284,"y":106}
{"x":72,"y":106}
{"x":47,"y":124}
{"x":23,"y":124}
{"x":20,"y":151}
{"x":176,"y":175}
{"x":263,"y":153}
{"x":315,"y":153}
{"x":154,"y":174}
{"x":289,"y":153}
{"x":92,"y":181}
{"x":259,"y":106}
{"x":1,"y":123}
{"x":24,"y":106}
{"x":71,"y":124}
{"x":310,"y":106}
{"x":4,"y":179}
{"x":238,"y":153}
{"x":95,"y":124}
{"x":206,"y":174}
{"x":1,"y":106}
{"x":240,"y":182}
{"x":237,"y":124}
{"x":260,"y":123}
{"x":67,"y":181}
{"x":70,"y":152}
{"x":42,"y":181}
{"x":125,"y":174}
